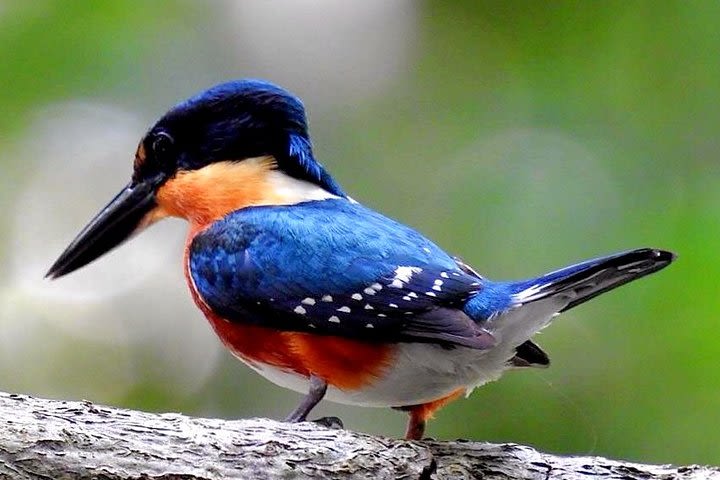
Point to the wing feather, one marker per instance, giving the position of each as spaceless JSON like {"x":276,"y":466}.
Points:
{"x":334,"y":268}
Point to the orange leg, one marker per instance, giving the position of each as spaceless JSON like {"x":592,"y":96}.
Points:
{"x":416,"y":426}
{"x":420,"y":414}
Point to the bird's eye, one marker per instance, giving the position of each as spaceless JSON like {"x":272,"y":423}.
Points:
{"x":162,"y":145}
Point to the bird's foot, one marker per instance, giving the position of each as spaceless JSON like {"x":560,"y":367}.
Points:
{"x":330,"y":422}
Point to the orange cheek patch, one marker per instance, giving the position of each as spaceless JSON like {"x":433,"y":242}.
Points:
{"x":208,"y":194}
{"x":157,"y":213}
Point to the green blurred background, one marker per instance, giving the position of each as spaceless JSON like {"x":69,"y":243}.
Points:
{"x":522,"y":136}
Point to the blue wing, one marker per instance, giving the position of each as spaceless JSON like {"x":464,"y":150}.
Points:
{"x":334,"y":267}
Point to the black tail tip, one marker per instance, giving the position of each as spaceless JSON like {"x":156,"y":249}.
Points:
{"x":646,"y":260}
{"x":662,"y":256}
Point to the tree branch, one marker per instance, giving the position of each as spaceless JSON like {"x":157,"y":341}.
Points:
{"x":48,"y":439}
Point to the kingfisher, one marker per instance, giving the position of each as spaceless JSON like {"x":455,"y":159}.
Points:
{"x":311,"y":289}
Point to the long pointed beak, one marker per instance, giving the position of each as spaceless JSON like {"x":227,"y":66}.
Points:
{"x":122,"y":217}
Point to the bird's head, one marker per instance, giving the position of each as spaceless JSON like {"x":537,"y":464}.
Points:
{"x":238,"y":144}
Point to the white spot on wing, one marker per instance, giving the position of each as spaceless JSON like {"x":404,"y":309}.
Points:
{"x":392,"y":305}
{"x":396,"y":283}
{"x":334,"y":319}
{"x":344,"y":309}
{"x":444,"y":275}
{"x":413,"y":295}
{"x":369,"y":307}
{"x":430,"y":294}
{"x":356,"y":296}
{"x":404,"y":274}
{"x":308,"y":301}
{"x":369,"y":325}
{"x":438,"y":282}
{"x":327,"y":298}
{"x":300,"y":310}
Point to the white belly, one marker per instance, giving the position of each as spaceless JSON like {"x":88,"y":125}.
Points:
{"x":417,"y":373}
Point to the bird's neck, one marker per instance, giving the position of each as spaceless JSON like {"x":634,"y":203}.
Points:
{"x":205,"y":195}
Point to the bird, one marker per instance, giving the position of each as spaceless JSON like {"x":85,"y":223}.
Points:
{"x":315,"y":291}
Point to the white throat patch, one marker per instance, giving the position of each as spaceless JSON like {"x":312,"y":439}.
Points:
{"x":291,"y":190}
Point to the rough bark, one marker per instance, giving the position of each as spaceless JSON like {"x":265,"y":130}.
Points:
{"x":48,"y":439}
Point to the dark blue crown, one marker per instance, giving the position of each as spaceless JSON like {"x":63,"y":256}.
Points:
{"x":238,"y":120}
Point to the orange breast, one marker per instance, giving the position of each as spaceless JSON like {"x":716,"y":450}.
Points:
{"x":343,"y":363}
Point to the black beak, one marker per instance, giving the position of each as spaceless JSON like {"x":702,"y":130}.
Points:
{"x":112,"y":226}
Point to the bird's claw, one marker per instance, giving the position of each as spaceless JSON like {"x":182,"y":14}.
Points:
{"x":330,"y":422}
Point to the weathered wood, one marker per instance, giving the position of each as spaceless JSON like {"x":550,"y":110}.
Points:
{"x":49,"y":439}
